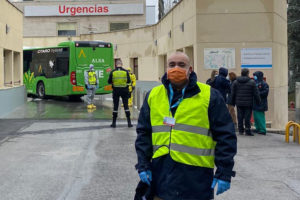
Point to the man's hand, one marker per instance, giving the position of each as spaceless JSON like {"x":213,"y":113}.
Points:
{"x":222,"y":185}
{"x":146,"y":176}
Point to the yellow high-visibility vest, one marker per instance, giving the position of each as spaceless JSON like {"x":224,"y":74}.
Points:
{"x":133,"y":81}
{"x":119,"y":78}
{"x":92,"y":78}
{"x":190,"y":141}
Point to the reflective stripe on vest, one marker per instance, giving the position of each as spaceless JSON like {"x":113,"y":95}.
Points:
{"x":119,"y":78}
{"x":189,"y":141}
{"x":92,"y":78}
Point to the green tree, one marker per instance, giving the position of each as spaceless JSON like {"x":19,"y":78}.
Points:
{"x":293,"y":44}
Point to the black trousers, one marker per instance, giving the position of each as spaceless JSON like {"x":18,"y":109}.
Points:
{"x":244,"y":114}
{"x":124,"y":94}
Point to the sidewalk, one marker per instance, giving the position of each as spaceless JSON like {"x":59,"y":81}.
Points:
{"x":267,"y":169}
{"x":86,"y":159}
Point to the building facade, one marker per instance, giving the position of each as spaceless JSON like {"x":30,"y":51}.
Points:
{"x":11,"y":57}
{"x":44,"y":18}
{"x":214,"y":33}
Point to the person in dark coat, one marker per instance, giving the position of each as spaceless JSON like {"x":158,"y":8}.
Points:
{"x":259,"y":109}
{"x":232,"y":78}
{"x":222,"y":84}
{"x":170,"y":178}
{"x":213,"y":75}
{"x":243,"y":92}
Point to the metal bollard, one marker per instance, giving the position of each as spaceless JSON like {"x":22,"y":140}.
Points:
{"x":297,"y":93}
{"x":138,"y":94}
{"x":134,"y":97}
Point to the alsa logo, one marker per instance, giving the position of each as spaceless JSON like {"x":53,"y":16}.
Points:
{"x":97,"y":60}
{"x":73,"y":10}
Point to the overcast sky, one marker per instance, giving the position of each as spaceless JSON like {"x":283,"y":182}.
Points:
{"x":151,"y":2}
{"x":154,"y":2}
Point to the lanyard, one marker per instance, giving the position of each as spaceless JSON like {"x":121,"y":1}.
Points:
{"x":172,"y":95}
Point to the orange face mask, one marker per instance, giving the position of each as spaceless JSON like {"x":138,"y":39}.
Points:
{"x":177,"y":75}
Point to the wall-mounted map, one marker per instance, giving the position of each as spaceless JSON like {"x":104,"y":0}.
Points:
{"x":214,"y":58}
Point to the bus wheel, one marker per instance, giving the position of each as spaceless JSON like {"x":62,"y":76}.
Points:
{"x":76,"y":98}
{"x":40,"y":90}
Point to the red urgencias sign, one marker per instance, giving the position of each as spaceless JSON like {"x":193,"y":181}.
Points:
{"x":73,"y":10}
{"x":82,"y":10}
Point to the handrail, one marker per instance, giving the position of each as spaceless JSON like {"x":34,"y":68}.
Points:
{"x":296,"y":131}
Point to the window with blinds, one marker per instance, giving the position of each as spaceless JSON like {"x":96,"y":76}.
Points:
{"x":114,"y":26}
{"x":66,"y":29}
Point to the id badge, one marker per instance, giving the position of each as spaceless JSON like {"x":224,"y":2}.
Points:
{"x":169,"y":121}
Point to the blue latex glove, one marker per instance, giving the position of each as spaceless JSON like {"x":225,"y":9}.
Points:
{"x":146,"y":176}
{"x":222,"y":185}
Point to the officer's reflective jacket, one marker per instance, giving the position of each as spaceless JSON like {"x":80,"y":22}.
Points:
{"x":184,"y":169}
{"x":119,"y":78}
{"x":189,"y":141}
{"x":90,"y":78}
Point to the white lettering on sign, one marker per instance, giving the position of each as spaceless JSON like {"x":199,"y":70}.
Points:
{"x":100,"y":73}
{"x":80,"y":10}
{"x":97,"y":60}
{"x":43,"y":51}
{"x":49,"y":50}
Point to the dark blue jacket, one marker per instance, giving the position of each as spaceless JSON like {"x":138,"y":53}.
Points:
{"x":243,"y":92}
{"x":173,"y":180}
{"x":229,"y":98}
{"x":263,"y":89}
{"x":222,"y":84}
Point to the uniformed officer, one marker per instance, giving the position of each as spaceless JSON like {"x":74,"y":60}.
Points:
{"x":184,"y":130}
{"x":131,"y":86}
{"x":119,"y":78}
{"x":91,"y":85}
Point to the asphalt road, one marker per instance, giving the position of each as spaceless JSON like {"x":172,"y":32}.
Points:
{"x":85,"y":159}
{"x":62,"y":108}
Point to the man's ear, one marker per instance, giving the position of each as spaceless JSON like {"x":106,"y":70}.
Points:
{"x":190,"y":69}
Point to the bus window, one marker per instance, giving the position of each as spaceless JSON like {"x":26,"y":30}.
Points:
{"x":27,"y":60}
{"x":61,"y":67}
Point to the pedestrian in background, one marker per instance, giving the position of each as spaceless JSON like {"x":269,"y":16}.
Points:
{"x":91,"y":84}
{"x":176,"y":149}
{"x":131,"y":86}
{"x":213,"y":75}
{"x":259,"y":109}
{"x":232,"y":78}
{"x":222,"y":84}
{"x":119,"y":78}
{"x":243,"y":92}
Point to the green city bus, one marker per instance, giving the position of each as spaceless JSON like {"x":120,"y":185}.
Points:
{"x":59,"y":71}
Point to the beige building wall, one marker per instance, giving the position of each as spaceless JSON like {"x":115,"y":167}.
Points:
{"x":193,"y":25}
{"x":11,"y":46}
{"x":47,"y":25}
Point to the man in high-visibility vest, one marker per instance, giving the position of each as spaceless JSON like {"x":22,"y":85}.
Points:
{"x":91,"y":84}
{"x":119,"y":78}
{"x":131,"y":86}
{"x":184,"y":130}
